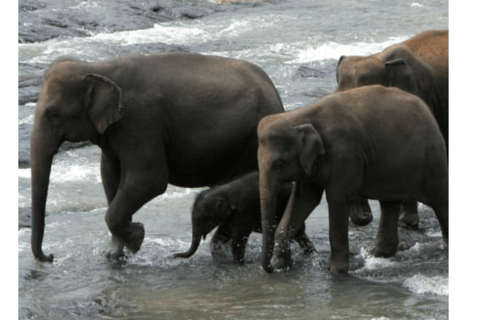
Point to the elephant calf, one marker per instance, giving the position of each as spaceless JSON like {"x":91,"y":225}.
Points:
{"x":373,"y":142}
{"x":235,"y":208}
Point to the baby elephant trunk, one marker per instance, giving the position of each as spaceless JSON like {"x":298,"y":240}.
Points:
{"x":196,"y":237}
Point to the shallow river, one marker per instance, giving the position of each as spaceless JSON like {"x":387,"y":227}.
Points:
{"x":298,"y":44}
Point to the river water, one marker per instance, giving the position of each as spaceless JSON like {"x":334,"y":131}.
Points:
{"x":298,"y":44}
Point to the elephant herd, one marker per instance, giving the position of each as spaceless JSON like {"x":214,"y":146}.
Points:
{"x":194,"y":120}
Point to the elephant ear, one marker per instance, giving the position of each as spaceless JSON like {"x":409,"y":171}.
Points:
{"x":338,"y":65}
{"x":309,"y":146}
{"x":103,"y":101}
{"x":400,"y":75}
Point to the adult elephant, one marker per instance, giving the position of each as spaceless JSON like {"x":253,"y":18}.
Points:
{"x":418,"y":65}
{"x":343,"y":146}
{"x":185,"y":119}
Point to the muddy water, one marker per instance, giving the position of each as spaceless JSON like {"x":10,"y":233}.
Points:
{"x":298,"y":44}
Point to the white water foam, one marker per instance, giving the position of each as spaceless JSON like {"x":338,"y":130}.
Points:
{"x":421,"y":284}
{"x":334,"y":50}
{"x":61,"y":173}
{"x":373,"y":263}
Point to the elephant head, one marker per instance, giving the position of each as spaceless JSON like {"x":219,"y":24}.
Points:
{"x":286,"y":153}
{"x":396,"y":66}
{"x":75,"y":104}
{"x":209,"y":211}
{"x":356,"y":71}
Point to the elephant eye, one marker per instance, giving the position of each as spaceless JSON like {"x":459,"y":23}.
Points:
{"x":52,"y":114}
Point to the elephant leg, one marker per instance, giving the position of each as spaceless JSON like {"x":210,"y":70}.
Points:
{"x":135,"y":190}
{"x":220,"y":238}
{"x":304,"y":198}
{"x":360,"y":212}
{"x":338,"y":213}
{"x":238,"y":248}
{"x":304,"y":242}
{"x":110,"y":170}
{"x":438,"y":200}
{"x":386,"y":243}
{"x":409,"y":218}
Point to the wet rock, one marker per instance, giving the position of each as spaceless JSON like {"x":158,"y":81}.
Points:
{"x":24,"y":134}
{"x":24,"y":218}
{"x":306,"y":72}
{"x":193,"y":12}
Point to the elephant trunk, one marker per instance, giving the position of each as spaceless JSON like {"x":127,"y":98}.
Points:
{"x":268,"y":202}
{"x":196,"y":238}
{"x":41,"y":163}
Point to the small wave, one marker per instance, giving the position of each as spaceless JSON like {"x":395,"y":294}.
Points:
{"x":416,"y":4}
{"x":62,"y":173}
{"x":168,"y":34}
{"x":334,"y":50}
{"x":373,"y":263}
{"x":421,"y":284}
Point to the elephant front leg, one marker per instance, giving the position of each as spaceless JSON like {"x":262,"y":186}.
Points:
{"x":409,"y":218}
{"x":338,"y":212}
{"x":304,"y":198}
{"x":219,"y":239}
{"x":128,"y":199}
{"x":386,"y":243}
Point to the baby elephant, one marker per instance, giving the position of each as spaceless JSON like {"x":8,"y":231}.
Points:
{"x":235,"y":208}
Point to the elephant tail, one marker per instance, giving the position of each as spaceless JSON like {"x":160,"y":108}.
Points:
{"x":193,"y":248}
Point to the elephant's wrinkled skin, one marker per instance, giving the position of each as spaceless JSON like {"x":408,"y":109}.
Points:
{"x":374,"y":142}
{"x":235,"y":208}
{"x":185,"y":119}
{"x":418,"y":65}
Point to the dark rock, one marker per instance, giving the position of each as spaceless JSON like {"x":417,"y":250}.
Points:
{"x":24,"y":134}
{"x":24,"y":218}
{"x":306,"y":72}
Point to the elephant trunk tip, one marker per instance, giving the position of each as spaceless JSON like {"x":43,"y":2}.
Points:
{"x":182,"y":255}
{"x":43,"y":258}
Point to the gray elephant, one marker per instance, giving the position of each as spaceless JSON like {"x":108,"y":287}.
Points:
{"x":418,"y":65}
{"x":235,"y":208}
{"x":373,"y":142}
{"x":185,"y":119}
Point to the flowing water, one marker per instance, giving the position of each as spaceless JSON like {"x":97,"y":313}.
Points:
{"x":298,"y":44}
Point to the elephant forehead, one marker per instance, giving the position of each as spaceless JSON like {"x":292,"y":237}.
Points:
{"x":55,"y":90}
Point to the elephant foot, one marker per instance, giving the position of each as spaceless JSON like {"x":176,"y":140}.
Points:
{"x":116,"y":249}
{"x":409,"y":218}
{"x":409,"y":221}
{"x":360,"y":212}
{"x":282,"y":260}
{"x":338,"y":268}
{"x":132,"y":243}
{"x":362,"y":219}
{"x":382,"y":251}
{"x":282,"y":263}
{"x":310,"y":250}
{"x":135,"y":239}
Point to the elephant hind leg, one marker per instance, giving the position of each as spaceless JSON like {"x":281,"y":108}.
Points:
{"x":386,"y":243}
{"x":304,"y":242}
{"x":409,"y":218}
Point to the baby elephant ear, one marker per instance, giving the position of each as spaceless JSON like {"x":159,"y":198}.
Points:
{"x":103,"y":101}
{"x":309,"y":146}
